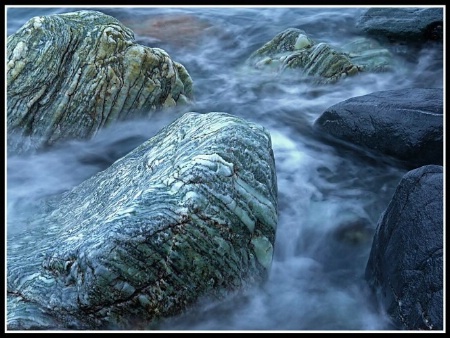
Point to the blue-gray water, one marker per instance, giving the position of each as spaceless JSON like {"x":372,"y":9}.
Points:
{"x":316,"y":281}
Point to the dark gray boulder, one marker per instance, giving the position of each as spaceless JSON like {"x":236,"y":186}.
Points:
{"x":68,"y":75}
{"x":406,"y":124}
{"x":190,"y":213}
{"x":405,"y":267}
{"x":410,"y":25}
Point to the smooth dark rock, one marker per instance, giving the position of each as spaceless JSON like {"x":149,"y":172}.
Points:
{"x":190,"y":213}
{"x":68,"y":75}
{"x":411,"y":25}
{"x":406,"y":124}
{"x":405,"y":267}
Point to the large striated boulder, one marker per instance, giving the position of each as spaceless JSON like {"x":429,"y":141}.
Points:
{"x":405,"y":267}
{"x":190,"y":213}
{"x":68,"y":75}
{"x":411,"y":25}
{"x":406,"y":124}
{"x":293,"y":51}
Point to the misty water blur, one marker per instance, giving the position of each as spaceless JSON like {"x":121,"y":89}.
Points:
{"x":327,"y":192}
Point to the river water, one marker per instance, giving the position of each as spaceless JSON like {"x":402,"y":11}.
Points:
{"x":330,"y":196}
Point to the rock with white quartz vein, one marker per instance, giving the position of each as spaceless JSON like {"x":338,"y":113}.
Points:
{"x":68,"y":75}
{"x":190,"y":213}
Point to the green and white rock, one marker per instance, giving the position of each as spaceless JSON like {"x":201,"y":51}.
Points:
{"x":68,"y":75}
{"x":293,"y":53}
{"x":287,"y":41}
{"x":190,"y":213}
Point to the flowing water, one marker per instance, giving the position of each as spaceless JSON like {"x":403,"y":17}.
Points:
{"x":330,"y":196}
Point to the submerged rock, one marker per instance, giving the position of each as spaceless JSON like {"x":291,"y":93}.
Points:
{"x":190,"y":213}
{"x":405,"y":267}
{"x":369,"y":55}
{"x":68,"y":75}
{"x":292,"y":50}
{"x":175,"y":29}
{"x":406,"y":124}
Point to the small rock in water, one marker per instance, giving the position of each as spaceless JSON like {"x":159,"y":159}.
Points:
{"x":294,"y":54}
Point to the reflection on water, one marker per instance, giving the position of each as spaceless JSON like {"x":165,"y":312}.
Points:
{"x":330,"y":197}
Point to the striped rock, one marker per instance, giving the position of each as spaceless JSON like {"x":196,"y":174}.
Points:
{"x":293,"y":53}
{"x":190,"y":213}
{"x":68,"y":75}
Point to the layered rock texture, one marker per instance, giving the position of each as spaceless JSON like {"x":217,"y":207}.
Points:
{"x":68,"y":75}
{"x":405,"y":267}
{"x":293,"y":50}
{"x":406,"y":124}
{"x":190,"y":213}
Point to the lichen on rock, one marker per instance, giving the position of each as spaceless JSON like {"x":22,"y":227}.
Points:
{"x":190,"y":213}
{"x":68,"y":75}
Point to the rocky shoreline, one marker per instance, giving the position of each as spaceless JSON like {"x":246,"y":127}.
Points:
{"x":192,"y":212}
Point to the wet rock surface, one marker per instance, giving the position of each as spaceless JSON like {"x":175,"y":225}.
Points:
{"x":68,"y":75}
{"x":405,"y":267}
{"x":190,"y":213}
{"x":294,"y":52}
{"x":406,"y":25}
{"x":406,"y":124}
